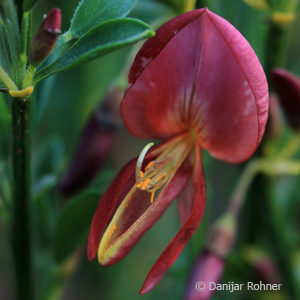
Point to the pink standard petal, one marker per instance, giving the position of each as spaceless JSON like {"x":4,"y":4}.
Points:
{"x":202,"y":75}
{"x":234,"y":90}
{"x":173,"y":250}
{"x":160,"y":79}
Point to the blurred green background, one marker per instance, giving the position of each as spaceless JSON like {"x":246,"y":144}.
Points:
{"x":72,"y":96}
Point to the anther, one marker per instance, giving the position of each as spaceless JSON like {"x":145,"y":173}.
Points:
{"x":152,"y":197}
{"x":149,"y":165}
{"x":112,"y":230}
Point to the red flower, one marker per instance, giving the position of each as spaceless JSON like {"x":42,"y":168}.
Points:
{"x":196,"y":84}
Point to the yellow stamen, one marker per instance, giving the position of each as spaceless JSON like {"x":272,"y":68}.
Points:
{"x":143,"y":185}
{"x":160,"y":177}
{"x":111,"y":231}
{"x":152,"y":197}
{"x":149,"y":165}
{"x":163,"y":167}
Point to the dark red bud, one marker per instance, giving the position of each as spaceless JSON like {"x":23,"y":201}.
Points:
{"x":287,"y":86}
{"x":93,"y":146}
{"x":207,"y":268}
{"x":263,"y":266}
{"x":52,"y":22}
{"x":267,"y":272}
{"x":222,"y":236}
{"x":275,"y":122}
{"x":45,"y":39}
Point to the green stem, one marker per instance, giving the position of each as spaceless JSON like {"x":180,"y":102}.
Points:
{"x":272,"y":216}
{"x":267,"y":167}
{"x":291,"y":148}
{"x":279,"y":168}
{"x":19,"y":6}
{"x":276,"y":46}
{"x":203,"y":3}
{"x":29,"y":76}
{"x":276,"y":50}
{"x":275,"y":224}
{"x":24,"y":36}
{"x":189,"y":5}
{"x":21,"y":197}
{"x":239,"y":193}
{"x":283,"y":247}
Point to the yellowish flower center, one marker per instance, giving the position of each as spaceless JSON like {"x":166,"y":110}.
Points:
{"x":168,"y":159}
{"x":160,"y":170}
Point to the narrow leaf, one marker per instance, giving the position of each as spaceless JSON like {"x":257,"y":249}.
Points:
{"x":105,"y":38}
{"x":73,"y":224}
{"x":28,"y":4}
{"x":90,"y":13}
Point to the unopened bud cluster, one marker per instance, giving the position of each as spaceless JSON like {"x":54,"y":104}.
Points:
{"x":222,"y":236}
{"x":93,"y":146}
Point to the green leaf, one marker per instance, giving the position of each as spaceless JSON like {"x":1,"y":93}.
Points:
{"x":42,"y":92}
{"x":105,"y":38}
{"x":43,"y":186}
{"x":73,"y":224}
{"x":28,"y":4}
{"x":90,"y":13}
{"x":48,"y":156}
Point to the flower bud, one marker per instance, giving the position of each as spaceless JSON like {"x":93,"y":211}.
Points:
{"x":45,"y":39}
{"x":207,"y":268}
{"x":210,"y":263}
{"x":93,"y":146}
{"x":222,"y":236}
{"x":275,"y":122}
{"x":287,"y":86}
{"x":263,"y":266}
